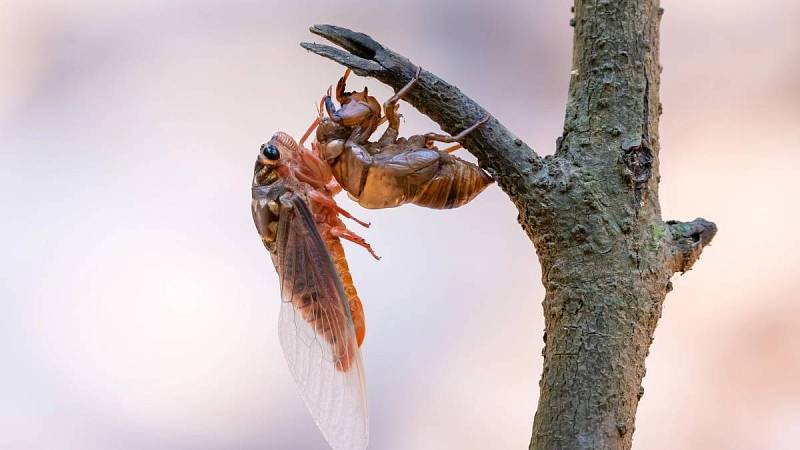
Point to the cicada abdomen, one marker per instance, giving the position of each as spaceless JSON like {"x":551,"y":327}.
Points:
{"x":340,"y":263}
{"x":455,"y":183}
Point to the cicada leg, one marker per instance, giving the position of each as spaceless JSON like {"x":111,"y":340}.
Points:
{"x":344,"y":233}
{"x":324,"y":201}
{"x":431,"y":137}
{"x":352,"y":217}
{"x":341,"y":95}
{"x":390,"y":109}
{"x":389,"y":104}
{"x":333,"y":187}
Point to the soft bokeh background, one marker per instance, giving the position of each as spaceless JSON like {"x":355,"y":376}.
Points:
{"x":139,"y":308}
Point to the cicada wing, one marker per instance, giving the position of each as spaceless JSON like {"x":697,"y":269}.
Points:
{"x":316,"y":331}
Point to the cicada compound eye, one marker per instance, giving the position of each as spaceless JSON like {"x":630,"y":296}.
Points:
{"x":270,"y":151}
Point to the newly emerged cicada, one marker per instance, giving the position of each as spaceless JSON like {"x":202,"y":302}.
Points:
{"x":321,"y":319}
{"x":393,"y":170}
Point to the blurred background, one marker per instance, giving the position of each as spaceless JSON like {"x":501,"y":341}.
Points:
{"x":139,"y":308}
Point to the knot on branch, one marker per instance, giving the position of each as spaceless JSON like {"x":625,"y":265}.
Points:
{"x":688,"y":241}
{"x":639,"y":161}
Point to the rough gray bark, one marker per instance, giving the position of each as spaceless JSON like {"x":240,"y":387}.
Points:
{"x":591,"y":211}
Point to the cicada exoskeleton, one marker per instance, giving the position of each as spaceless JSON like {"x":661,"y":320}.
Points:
{"x":393,"y":170}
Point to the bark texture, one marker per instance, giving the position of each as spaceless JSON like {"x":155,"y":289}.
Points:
{"x":591,"y":211}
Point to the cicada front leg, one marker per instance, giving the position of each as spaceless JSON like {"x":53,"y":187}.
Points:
{"x":341,"y":96}
{"x":390,"y":108}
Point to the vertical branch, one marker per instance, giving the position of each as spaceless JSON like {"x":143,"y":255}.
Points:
{"x":607,"y":266}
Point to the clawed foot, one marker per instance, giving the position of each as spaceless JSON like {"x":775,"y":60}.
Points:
{"x":391,"y":106}
{"x":352,"y":217}
{"x":346,"y":234}
{"x":396,"y":97}
{"x":341,"y":95}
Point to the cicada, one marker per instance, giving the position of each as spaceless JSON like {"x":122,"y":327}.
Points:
{"x":321,"y":318}
{"x":393,"y":170}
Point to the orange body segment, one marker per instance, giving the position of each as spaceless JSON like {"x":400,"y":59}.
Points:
{"x":336,"y":251}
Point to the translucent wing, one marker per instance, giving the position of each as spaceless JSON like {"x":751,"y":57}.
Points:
{"x":316,"y":331}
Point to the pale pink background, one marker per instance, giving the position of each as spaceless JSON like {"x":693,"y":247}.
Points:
{"x":138,"y":309}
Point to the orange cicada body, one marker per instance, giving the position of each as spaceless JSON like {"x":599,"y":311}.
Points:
{"x":321,"y":319}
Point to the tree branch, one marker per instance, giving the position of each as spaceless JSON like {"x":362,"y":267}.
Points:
{"x":592,"y":212}
{"x":503,"y":155}
{"x":688,"y":241}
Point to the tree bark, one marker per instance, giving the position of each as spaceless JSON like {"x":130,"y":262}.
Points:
{"x":591,"y":210}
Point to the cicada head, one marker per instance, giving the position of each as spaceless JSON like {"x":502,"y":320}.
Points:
{"x":356,"y":108}
{"x":276,"y":159}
